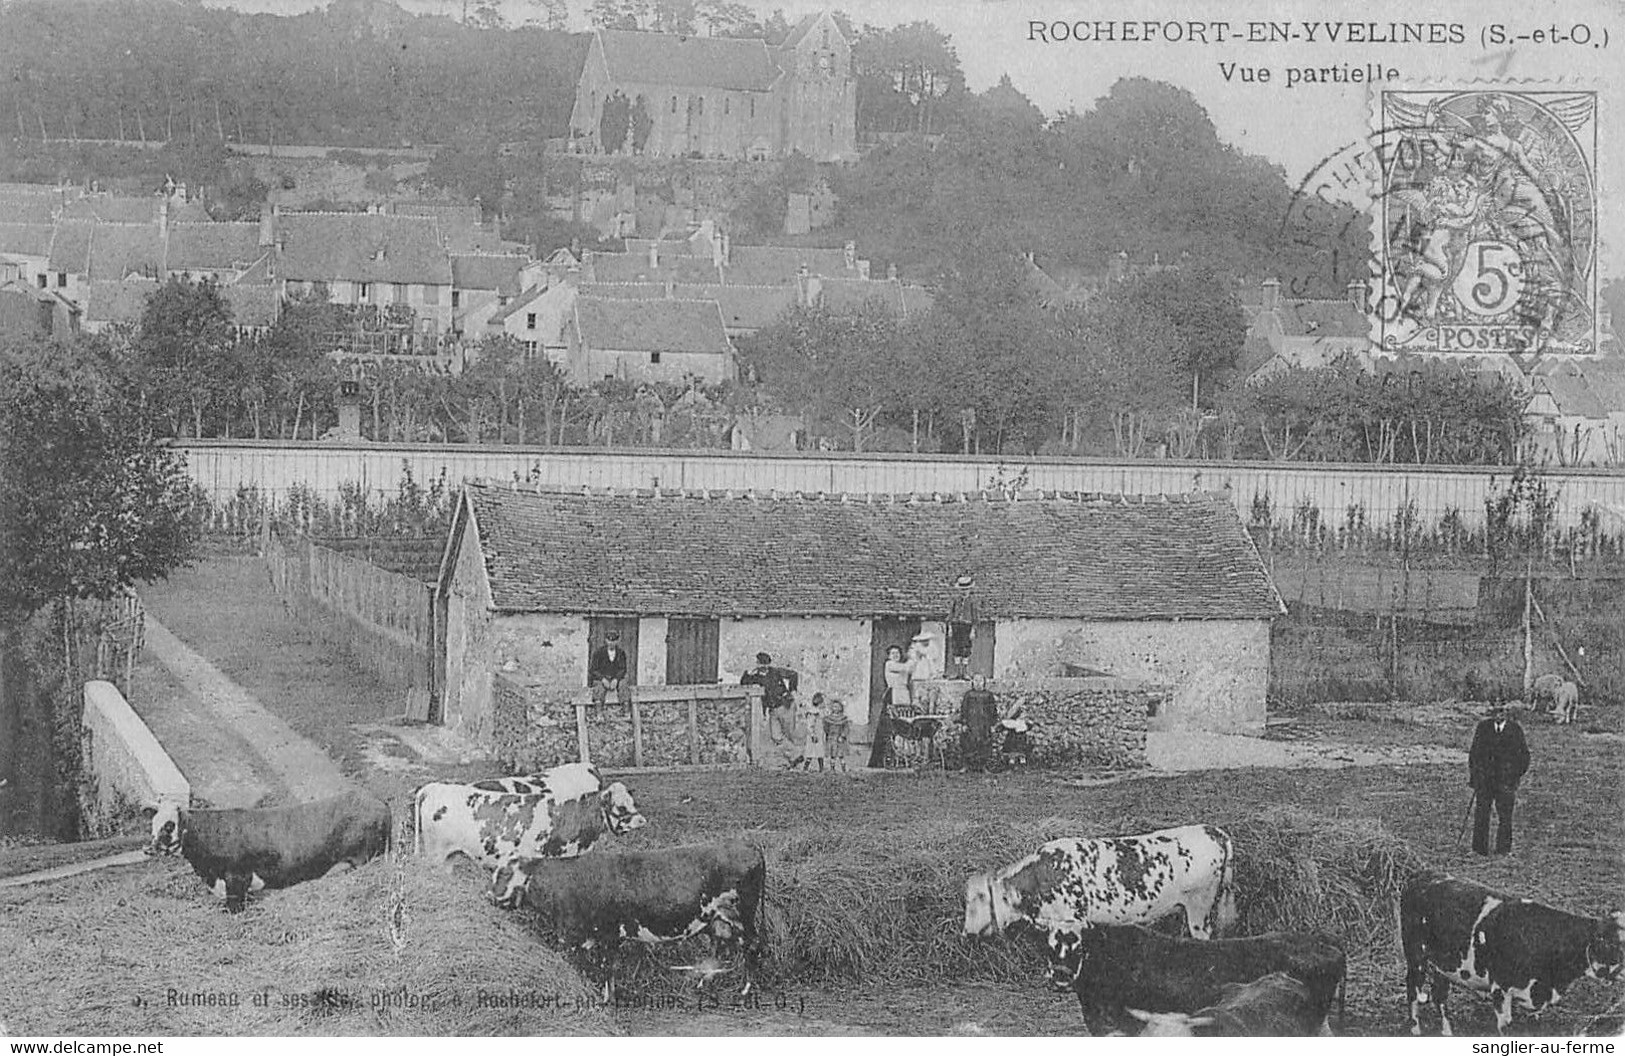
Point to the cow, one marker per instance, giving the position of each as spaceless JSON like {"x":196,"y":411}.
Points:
{"x":1071,"y":883}
{"x":1543,"y":691}
{"x":1518,"y":952}
{"x":564,"y":781}
{"x":1566,"y":702}
{"x":1275,"y":1006}
{"x":492,"y":826}
{"x":595,"y":901}
{"x":236,"y":851}
{"x":1115,"y":969}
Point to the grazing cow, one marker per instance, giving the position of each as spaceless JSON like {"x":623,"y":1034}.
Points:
{"x":1566,"y":702}
{"x":1071,"y":883}
{"x":1276,"y":1006}
{"x":1113,"y":970}
{"x":650,"y":896}
{"x":492,"y":826}
{"x":236,"y":851}
{"x":1518,"y":952}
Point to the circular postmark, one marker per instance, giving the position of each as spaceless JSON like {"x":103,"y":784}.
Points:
{"x":1481,"y":210}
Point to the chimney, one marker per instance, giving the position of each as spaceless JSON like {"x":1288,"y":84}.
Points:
{"x":851,"y":251}
{"x":1358,"y":291}
{"x":727,"y":249}
{"x":671,"y":289}
{"x":267,"y":227}
{"x":654,"y":253}
{"x":163,"y":217}
{"x":716,"y":250}
{"x":891,"y":271}
{"x":1272,"y":295}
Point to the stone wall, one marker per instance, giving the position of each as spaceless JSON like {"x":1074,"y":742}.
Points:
{"x":1094,"y":722}
{"x":125,"y":768}
{"x":1218,"y":669}
{"x":535,"y":726}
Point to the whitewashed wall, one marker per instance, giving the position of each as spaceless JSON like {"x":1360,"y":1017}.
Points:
{"x":221,"y":466}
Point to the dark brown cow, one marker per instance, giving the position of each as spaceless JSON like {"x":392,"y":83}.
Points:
{"x":236,"y":851}
{"x":1276,"y":1006}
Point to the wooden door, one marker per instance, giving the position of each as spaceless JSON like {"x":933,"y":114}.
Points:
{"x":600,"y":626}
{"x":888,"y":631}
{"x":981,"y":648}
{"x":691,"y":651}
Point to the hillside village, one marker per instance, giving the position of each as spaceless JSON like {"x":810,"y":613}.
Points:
{"x":659,"y":288}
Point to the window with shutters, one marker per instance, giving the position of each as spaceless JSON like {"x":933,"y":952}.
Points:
{"x":692,"y":647}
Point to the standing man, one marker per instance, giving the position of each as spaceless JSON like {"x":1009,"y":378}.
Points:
{"x":977,"y":714}
{"x":778,"y":699}
{"x":1496,"y":763}
{"x":606,"y":670}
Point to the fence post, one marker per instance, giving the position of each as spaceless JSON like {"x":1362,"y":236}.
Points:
{"x":693,"y":731}
{"x":637,"y":731}
{"x":581,"y":733}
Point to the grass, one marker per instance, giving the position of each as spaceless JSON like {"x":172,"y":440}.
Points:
{"x":865,"y":878}
{"x":148,"y":950}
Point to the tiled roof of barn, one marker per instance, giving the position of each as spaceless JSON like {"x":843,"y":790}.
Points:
{"x":488,"y":271}
{"x":118,"y":251}
{"x":70,"y":246}
{"x":362,"y":247}
{"x":214,"y":246}
{"x":113,"y":301}
{"x":253,"y":305}
{"x":1064,"y":557}
{"x":669,"y":60}
{"x":744,"y":307}
{"x":26,"y":240}
{"x":651,"y":326}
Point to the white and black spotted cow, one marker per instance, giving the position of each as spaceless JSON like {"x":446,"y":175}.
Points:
{"x":1519,"y":953}
{"x":596,"y":901}
{"x":238,"y":851}
{"x":1073,"y":883}
{"x":557,"y":814}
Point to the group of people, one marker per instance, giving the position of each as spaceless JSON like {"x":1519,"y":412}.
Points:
{"x":812,"y":729}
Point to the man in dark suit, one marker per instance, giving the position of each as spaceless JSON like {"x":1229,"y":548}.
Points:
{"x":1496,"y":763}
{"x":606,"y":670}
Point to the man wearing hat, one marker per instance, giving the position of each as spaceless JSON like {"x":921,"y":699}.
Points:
{"x":1496,"y":763}
{"x":606,"y":670}
{"x":778,"y":697}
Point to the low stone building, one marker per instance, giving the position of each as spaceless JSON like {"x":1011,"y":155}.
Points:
{"x":1165,"y":590}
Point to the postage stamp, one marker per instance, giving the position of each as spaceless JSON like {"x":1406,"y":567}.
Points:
{"x":1485,"y":221}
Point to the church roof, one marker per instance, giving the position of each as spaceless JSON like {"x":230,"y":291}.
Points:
{"x":687,"y":62}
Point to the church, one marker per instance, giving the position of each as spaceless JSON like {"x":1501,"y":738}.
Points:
{"x":719,"y":97}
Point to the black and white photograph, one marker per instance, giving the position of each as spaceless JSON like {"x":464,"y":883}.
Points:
{"x":939,"y":519}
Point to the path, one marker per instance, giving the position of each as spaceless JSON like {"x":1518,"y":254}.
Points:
{"x":1179,"y":752}
{"x":42,"y":875}
{"x":304,"y":771}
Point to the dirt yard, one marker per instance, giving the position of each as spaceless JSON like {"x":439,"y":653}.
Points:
{"x":1407,"y":775}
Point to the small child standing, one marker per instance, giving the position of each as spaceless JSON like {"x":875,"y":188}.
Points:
{"x":836,"y":725}
{"x":810,"y":717}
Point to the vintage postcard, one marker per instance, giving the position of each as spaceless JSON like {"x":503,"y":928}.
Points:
{"x":908,"y":518}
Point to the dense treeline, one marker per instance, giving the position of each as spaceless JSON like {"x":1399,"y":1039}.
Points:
{"x":355,"y":74}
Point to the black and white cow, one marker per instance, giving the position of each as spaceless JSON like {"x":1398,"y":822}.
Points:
{"x":1519,"y":953}
{"x":1276,"y":1006}
{"x":1072,"y":883}
{"x":597,"y":900}
{"x":236,"y":851}
{"x":557,"y":814}
{"x":1114,"y":970}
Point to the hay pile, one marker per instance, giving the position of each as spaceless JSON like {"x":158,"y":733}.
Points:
{"x":324,"y":956}
{"x":887,"y":906}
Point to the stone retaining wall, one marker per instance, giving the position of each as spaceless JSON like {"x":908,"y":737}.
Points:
{"x":1095,"y":722}
{"x":125,"y":768}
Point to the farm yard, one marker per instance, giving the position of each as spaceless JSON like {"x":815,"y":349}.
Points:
{"x":865,"y":878}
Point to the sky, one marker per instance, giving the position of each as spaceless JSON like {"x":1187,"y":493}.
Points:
{"x":1297,"y":127}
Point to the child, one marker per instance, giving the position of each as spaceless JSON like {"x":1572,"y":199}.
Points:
{"x":810,"y":718}
{"x":836,"y":725}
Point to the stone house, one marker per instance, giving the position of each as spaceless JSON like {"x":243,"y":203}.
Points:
{"x":721,"y":97}
{"x":1157,"y":589}
{"x":28,"y":311}
{"x":369,"y":259}
{"x":482,"y":284}
{"x":664,"y":340}
{"x":1576,"y":412}
{"x":1285,"y":332}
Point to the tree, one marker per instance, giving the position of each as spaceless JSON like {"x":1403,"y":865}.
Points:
{"x":1202,"y":306}
{"x":551,"y":15}
{"x":613,"y":125}
{"x":185,"y":340}
{"x":725,"y":18}
{"x":642,"y":123}
{"x":91,"y":501}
